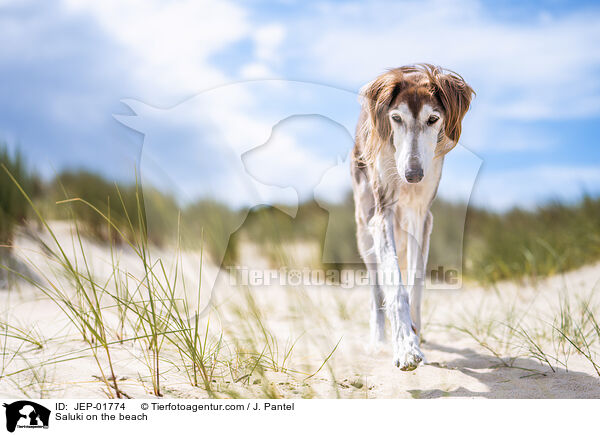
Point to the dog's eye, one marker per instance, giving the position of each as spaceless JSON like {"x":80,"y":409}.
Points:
{"x":396,"y":117}
{"x":432,"y":119}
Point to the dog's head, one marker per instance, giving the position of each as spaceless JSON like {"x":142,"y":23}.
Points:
{"x":417,"y":111}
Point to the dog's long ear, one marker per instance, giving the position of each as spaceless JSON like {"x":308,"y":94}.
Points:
{"x":455,"y":95}
{"x":377,"y":97}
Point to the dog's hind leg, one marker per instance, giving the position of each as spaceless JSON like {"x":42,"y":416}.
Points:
{"x":367,"y":252}
{"x":424,"y":251}
{"x":417,"y":252}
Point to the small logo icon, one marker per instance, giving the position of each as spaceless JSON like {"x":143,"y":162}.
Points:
{"x":26,"y":414}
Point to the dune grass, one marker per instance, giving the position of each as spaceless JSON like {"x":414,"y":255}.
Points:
{"x":509,"y":331}
{"x":518,"y":244}
{"x":13,"y":207}
{"x":551,"y":239}
{"x":153,"y":310}
{"x":157,"y":313}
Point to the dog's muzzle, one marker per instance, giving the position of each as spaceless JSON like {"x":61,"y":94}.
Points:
{"x":414,"y":175}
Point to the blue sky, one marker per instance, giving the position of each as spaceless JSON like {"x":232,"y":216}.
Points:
{"x":65,"y":67}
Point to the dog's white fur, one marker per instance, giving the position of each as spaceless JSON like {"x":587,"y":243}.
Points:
{"x":411,"y":117}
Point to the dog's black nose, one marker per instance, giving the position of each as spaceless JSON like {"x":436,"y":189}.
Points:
{"x":414,"y":175}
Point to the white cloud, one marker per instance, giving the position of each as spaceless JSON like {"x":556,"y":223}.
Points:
{"x":268,"y":40}
{"x":255,"y":70}
{"x":540,"y":68}
{"x":169,"y":43}
{"x":285,"y":160}
{"x":196,"y":147}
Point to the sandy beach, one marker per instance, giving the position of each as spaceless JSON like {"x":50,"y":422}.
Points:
{"x":500,"y":342}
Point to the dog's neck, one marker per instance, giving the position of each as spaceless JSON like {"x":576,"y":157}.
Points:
{"x":417,"y":196}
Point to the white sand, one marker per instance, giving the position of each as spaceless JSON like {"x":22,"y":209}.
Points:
{"x":458,"y":365}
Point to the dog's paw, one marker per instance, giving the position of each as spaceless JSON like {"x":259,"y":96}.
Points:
{"x":409,"y":358}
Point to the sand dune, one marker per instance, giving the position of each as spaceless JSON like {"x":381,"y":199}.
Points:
{"x":501,"y":342}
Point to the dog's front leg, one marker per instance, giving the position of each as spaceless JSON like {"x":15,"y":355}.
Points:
{"x":418,"y":230}
{"x":407,"y":354}
{"x":418,"y":251}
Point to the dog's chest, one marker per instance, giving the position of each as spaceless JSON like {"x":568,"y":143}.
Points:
{"x":418,"y":196}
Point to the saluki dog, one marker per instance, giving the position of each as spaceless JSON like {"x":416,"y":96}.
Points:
{"x":410,"y":118}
